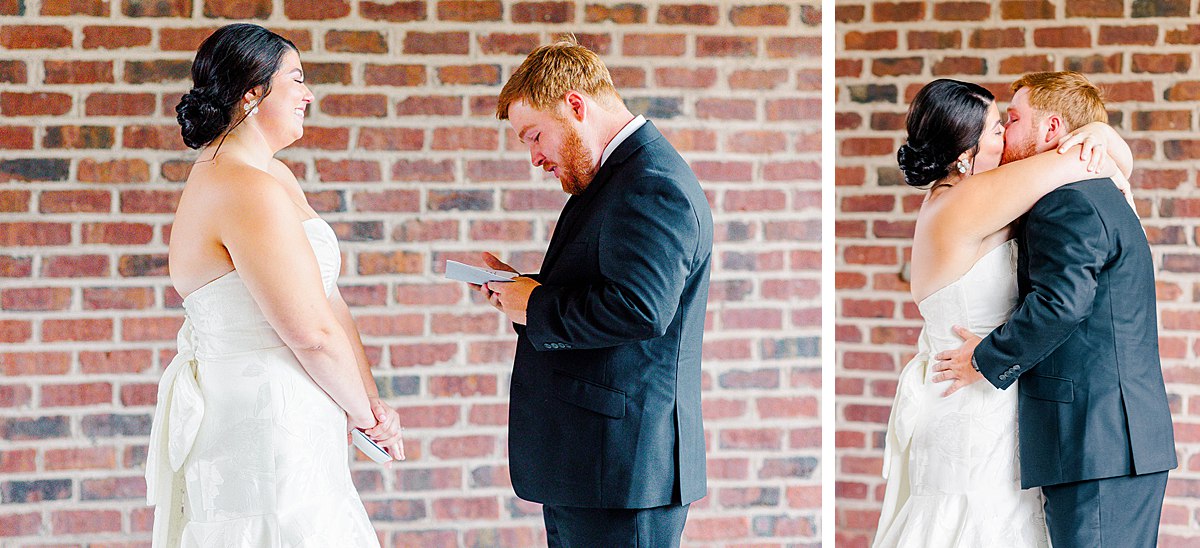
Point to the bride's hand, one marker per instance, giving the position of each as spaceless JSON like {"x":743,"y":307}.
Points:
{"x":1094,"y":138}
{"x":387,"y":432}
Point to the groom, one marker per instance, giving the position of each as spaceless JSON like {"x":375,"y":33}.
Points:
{"x":604,"y":410}
{"x":1095,"y":427}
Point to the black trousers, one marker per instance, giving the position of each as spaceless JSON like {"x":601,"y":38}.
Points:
{"x":1121,"y":512}
{"x":568,"y":527}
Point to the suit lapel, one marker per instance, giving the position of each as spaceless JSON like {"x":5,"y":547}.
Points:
{"x":567,"y":225}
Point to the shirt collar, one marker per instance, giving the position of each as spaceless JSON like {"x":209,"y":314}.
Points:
{"x":625,"y":132}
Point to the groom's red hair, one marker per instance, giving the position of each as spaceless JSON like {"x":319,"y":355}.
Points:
{"x":1067,"y":93}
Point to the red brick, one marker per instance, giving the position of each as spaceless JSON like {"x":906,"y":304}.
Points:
{"x":962,"y":11}
{"x":34,"y":104}
{"x":474,"y":75}
{"x":726,"y":46}
{"x":450,"y":43}
{"x":469,"y":11}
{"x":68,"y":522}
{"x":78,"y":72}
{"x":119,"y":104}
{"x":150,"y":329}
{"x":90,"y":458}
{"x":356,"y":41}
{"x":374,"y":138}
{"x":99,"y":329}
{"x":543,"y":12}
{"x":303,"y":10}
{"x":640,"y":45}
{"x":114,"y":171}
{"x":355,"y":106}
{"x":463,"y":447}
{"x":34,"y":234}
{"x":19,"y":37}
{"x":621,"y":14}
{"x":156,"y":8}
{"x":871,"y":41}
{"x":395,"y":75}
{"x":1095,"y":8}
{"x":688,"y":14}
{"x":1062,"y":37}
{"x":758,"y":16}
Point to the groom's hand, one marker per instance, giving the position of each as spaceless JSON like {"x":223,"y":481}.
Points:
{"x":956,"y":364}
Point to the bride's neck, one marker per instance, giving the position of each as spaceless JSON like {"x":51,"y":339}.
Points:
{"x":246,"y":143}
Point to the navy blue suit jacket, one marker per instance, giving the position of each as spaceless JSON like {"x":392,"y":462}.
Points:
{"x":604,"y":407}
{"x":1084,"y":342}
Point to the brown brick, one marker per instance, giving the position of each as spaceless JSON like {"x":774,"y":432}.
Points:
{"x":157,"y":8}
{"x":364,"y":105}
{"x":688,"y":14}
{"x":1027,"y":9}
{"x":1062,"y":37}
{"x":891,"y":12}
{"x":13,"y":72}
{"x":142,"y":72}
{"x":472,"y":75}
{"x":34,"y":104}
{"x":962,"y":11}
{"x":1095,"y":8}
{"x":346,"y":41}
{"x":934,"y":40}
{"x":512,"y":44}
{"x":1094,"y":64}
{"x":34,"y":37}
{"x":653,"y":44}
{"x":1161,"y":63}
{"x":306,"y":10}
{"x":239,"y":9}
{"x":774,"y":15}
{"x":1161,"y":8}
{"x":726,"y":46}
{"x":997,"y":38}
{"x":897,"y":66}
{"x":435,"y":43}
{"x":113,"y":171}
{"x":620,"y":14}
{"x":543,"y":12}
{"x":1136,"y":35}
{"x":75,"y":201}
{"x":119,"y":104}
{"x":78,"y":137}
{"x":469,"y":11}
{"x":97,"y":37}
{"x":872,"y":41}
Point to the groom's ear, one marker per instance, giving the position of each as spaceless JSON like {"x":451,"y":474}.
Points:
{"x":1055,"y":128}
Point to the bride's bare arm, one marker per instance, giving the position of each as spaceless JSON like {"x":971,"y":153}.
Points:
{"x":260,"y":229}
{"x":985,"y":203}
{"x":1100,"y":141}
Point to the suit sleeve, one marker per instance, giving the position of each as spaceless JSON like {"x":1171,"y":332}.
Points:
{"x":1067,"y":248}
{"x":646,"y":250}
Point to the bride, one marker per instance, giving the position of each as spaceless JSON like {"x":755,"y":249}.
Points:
{"x":249,"y":442}
{"x":951,"y":462}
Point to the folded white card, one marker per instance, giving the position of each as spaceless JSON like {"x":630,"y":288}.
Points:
{"x":475,"y":275}
{"x":369,"y":447}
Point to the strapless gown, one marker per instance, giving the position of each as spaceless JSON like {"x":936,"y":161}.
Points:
{"x":952,"y":467}
{"x":246,"y":450}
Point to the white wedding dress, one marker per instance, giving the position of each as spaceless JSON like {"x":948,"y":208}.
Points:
{"x":953,"y":474}
{"x":246,"y":449}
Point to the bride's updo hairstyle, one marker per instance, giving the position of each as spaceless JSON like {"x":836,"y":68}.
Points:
{"x":945,"y":119}
{"x":234,"y":60}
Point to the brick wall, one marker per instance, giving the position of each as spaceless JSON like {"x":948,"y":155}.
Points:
{"x":1144,"y":54}
{"x":404,"y":156}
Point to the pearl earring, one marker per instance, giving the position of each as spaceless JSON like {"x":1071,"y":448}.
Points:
{"x":250,"y":110}
{"x":962,"y":166}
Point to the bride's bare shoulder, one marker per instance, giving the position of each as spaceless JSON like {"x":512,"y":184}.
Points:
{"x":230,"y":187}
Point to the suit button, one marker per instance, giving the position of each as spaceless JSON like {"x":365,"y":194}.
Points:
{"x":1017,"y":367}
{"x":1004,"y":376}
{"x":547,"y":345}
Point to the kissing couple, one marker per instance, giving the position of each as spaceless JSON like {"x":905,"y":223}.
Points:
{"x":1032,"y":272}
